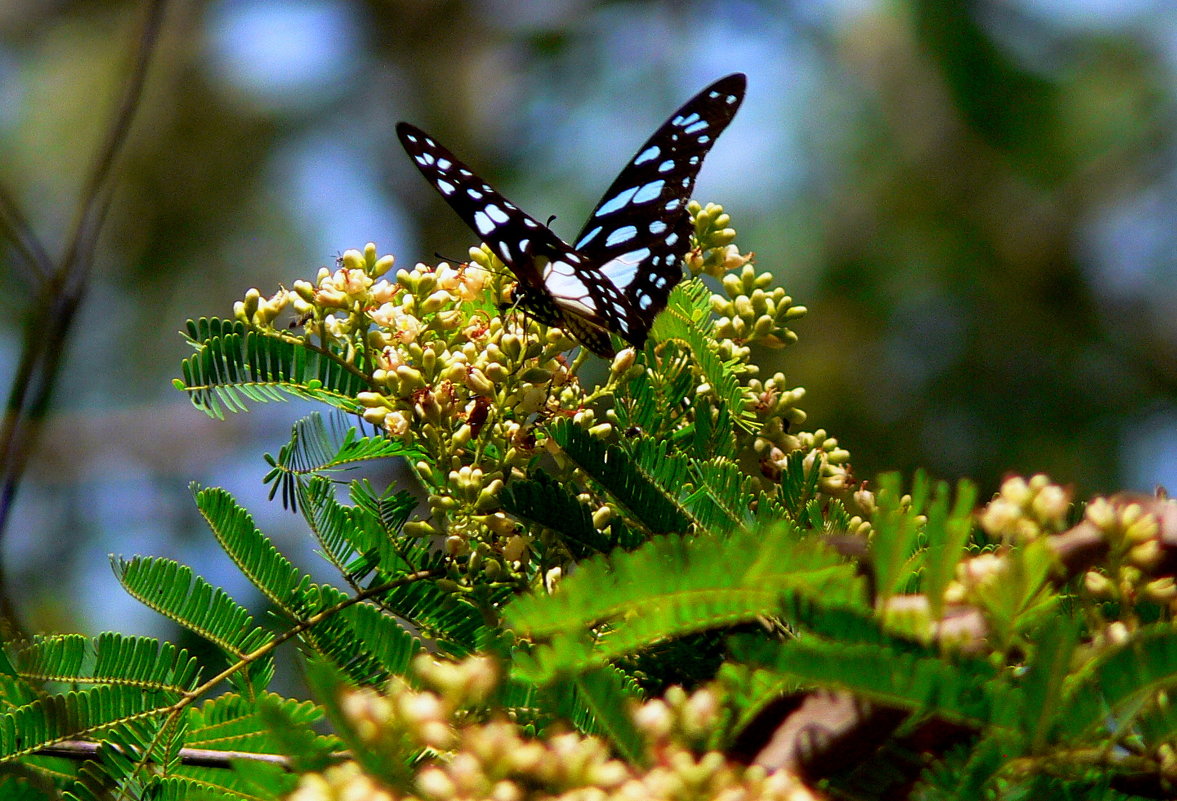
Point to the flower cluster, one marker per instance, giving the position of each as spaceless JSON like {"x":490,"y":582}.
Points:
{"x":1024,"y":511}
{"x":1136,"y":549}
{"x":751,"y":310}
{"x":470,"y":385}
{"x":464,"y":757}
{"x":447,"y":372}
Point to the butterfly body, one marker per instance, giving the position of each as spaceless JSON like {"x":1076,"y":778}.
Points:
{"x":618,"y":273}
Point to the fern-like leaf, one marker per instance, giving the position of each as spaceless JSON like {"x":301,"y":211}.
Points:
{"x":669,"y":587}
{"x":176,"y":592}
{"x":75,"y":714}
{"x":314,"y":449}
{"x":109,"y":659}
{"x":233,"y":364}
{"x":544,"y":502}
{"x":651,"y":502}
{"x":252,"y":552}
{"x":968,"y":691}
{"x":1118,"y":683}
{"x":688,"y":319}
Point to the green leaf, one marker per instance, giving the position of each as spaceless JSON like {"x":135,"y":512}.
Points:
{"x":542,"y":501}
{"x":252,"y":552}
{"x":672,"y":586}
{"x":1045,"y":680}
{"x":173,"y":590}
{"x":687,"y":318}
{"x":109,"y":659}
{"x":314,"y":449}
{"x":897,"y":526}
{"x":1122,"y":680}
{"x":233,"y":364}
{"x":292,"y":736}
{"x":647,"y":499}
{"x":54,"y":718}
{"x":967,"y":691}
{"x":607,"y":694}
{"x":947,"y":533}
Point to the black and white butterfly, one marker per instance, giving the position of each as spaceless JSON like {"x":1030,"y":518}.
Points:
{"x":618,"y":274}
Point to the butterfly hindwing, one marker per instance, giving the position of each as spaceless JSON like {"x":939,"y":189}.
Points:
{"x":628,"y":257}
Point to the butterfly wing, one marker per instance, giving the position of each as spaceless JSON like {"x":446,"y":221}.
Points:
{"x":557,"y":285}
{"x":640,"y":230}
{"x":515,"y":237}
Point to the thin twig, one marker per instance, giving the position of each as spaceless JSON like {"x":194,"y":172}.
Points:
{"x":28,"y":247}
{"x":63,"y":287}
{"x":83,"y":750}
{"x":92,"y":209}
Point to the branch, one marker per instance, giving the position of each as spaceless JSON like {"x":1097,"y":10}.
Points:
{"x":84,"y":750}
{"x":64,"y":285}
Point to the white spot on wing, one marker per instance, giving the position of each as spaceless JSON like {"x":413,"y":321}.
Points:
{"x":657,"y":227}
{"x":646,"y":155}
{"x":483,"y":223}
{"x":496,"y":214}
{"x":698,"y":126}
{"x":584,"y":240}
{"x":567,"y":289}
{"x":445,"y":186}
{"x":616,"y":202}
{"x":623,"y":234}
{"x":649,"y":192}
{"x":444,"y":164}
{"x":621,"y":270}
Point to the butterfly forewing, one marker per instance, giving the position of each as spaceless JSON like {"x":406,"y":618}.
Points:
{"x":640,"y":229}
{"x":619,"y":274}
{"x":515,"y":237}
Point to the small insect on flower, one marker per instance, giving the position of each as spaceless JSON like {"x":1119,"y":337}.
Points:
{"x":476,"y":418}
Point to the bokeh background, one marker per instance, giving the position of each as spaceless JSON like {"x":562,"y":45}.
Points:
{"x":975,"y":200}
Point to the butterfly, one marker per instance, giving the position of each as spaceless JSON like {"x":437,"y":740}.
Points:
{"x":618,"y":273}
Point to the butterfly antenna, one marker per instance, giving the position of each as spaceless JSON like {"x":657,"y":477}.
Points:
{"x":551,"y":220}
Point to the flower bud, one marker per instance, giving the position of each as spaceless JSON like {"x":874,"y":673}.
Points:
{"x":352,"y":259}
{"x":410,"y":378}
{"x":382,"y":265}
{"x":622,"y":361}
{"x":435,"y":302}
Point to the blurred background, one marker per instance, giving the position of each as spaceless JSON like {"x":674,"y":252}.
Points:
{"x":975,"y":200}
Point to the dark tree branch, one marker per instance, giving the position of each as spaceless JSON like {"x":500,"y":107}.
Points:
{"x":61,"y":290}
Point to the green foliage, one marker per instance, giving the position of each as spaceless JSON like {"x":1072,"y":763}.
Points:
{"x":582,"y":549}
{"x":233,"y":364}
{"x":688,"y":319}
{"x":314,"y":450}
